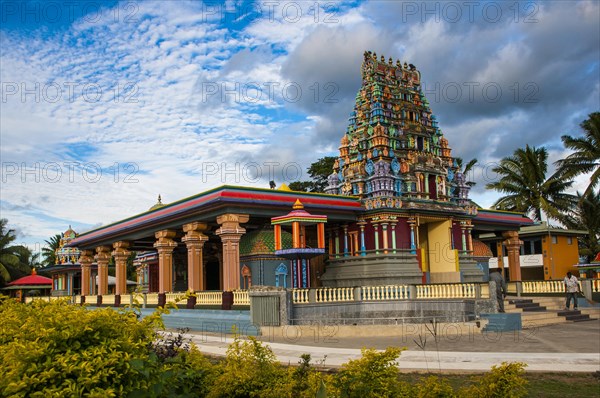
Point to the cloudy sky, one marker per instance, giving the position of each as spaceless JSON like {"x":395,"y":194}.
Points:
{"x":104,"y":105}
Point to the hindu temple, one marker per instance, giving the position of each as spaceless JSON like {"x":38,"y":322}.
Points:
{"x":396,"y":210}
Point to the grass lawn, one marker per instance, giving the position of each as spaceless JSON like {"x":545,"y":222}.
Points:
{"x":546,"y":385}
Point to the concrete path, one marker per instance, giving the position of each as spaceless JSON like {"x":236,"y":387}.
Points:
{"x":573,"y":347}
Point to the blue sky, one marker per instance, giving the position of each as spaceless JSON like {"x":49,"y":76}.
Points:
{"x":104,"y":104}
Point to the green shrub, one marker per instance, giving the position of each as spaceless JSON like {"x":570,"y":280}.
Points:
{"x":57,"y":349}
{"x":250,"y":369}
{"x":434,"y":387}
{"x":504,"y":381}
{"x":373,"y":375}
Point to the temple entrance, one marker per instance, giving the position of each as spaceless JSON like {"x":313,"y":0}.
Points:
{"x":212,"y":277}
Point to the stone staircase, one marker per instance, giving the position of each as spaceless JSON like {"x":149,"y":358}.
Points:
{"x":542,"y":311}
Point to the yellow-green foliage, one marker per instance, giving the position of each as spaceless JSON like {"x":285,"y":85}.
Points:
{"x":373,"y":375}
{"x":504,"y":381}
{"x":57,"y":349}
{"x":434,"y":387}
{"x":251,"y":370}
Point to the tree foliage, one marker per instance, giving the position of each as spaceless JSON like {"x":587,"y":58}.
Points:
{"x":14,"y":259}
{"x":585,"y":216}
{"x":49,"y":251}
{"x":586,"y":155}
{"x":527,"y":189}
{"x":318,"y":172}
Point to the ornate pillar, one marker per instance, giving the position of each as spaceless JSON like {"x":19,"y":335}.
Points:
{"x":120,"y":253}
{"x":384,"y":234}
{"x":463,"y":235}
{"x":230,"y":234}
{"x":468,"y":229}
{"x":194,"y":240}
{"x":321,"y":235}
{"x":363,"y":248}
{"x":513,"y":247}
{"x":295,"y":234}
{"x":393,"y":225}
{"x":86,"y":257}
{"x":412,"y":222}
{"x":346,"y":254}
{"x":337,"y":243}
{"x":376,"y":228}
{"x":102,"y":259}
{"x":165,"y":245}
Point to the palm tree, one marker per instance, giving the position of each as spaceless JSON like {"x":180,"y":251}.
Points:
{"x":523,"y":180}
{"x":467,"y":169}
{"x":9,"y":254}
{"x":49,"y":251}
{"x":585,"y":216}
{"x":586,"y":158}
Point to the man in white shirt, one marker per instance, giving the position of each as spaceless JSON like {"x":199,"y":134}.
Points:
{"x":571,"y":288}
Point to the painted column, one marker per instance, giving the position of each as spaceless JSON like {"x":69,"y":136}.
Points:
{"x":376,"y":228}
{"x":230,"y":233}
{"x":194,"y":240}
{"x":363,"y":248}
{"x":513,"y":247}
{"x":164,"y":246}
{"x":321,"y":235}
{"x":426,"y":183}
{"x":86,"y":257}
{"x":277,"y":235}
{"x":346,"y":254}
{"x":102,"y":259}
{"x":337,"y":243}
{"x":393,"y":225}
{"x":412,"y":223}
{"x":384,"y":236}
{"x":120,"y":253}
{"x":463,"y":236}
{"x":295,"y":234}
{"x":468,"y":229}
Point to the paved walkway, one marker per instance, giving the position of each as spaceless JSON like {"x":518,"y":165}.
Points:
{"x":573,"y":347}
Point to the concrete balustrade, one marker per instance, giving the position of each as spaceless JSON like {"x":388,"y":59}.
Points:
{"x":595,"y":285}
{"x":545,"y":286}
{"x":108,"y":299}
{"x":300,"y":296}
{"x":209,"y":298}
{"x":449,"y":290}
{"x":334,"y":294}
{"x":391,"y":292}
{"x":241,"y":297}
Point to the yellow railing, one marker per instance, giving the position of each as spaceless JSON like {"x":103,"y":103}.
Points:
{"x":91,"y":300}
{"x":485,"y":290}
{"x":545,"y":286}
{"x":391,"y":292}
{"x":241,"y":297}
{"x":175,"y":297}
{"x":334,"y":294}
{"x":209,"y":298}
{"x":595,"y":285}
{"x":108,"y":299}
{"x":152,"y":299}
{"x":450,"y":290}
{"x":300,"y":296}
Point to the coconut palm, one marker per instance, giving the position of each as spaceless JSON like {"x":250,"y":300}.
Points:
{"x":10,"y":259}
{"x":585,"y":216}
{"x":467,"y":169}
{"x":526,"y":188}
{"x":586,"y":155}
{"x":49,"y":251}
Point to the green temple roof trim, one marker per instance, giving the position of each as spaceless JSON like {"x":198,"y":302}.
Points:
{"x":262,"y":242}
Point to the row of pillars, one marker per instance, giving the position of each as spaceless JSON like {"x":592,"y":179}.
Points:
{"x":230,"y":233}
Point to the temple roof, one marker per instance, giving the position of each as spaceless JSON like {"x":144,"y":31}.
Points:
{"x":32,"y":280}
{"x":207,"y":205}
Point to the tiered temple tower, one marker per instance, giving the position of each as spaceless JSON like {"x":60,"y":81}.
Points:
{"x":393,"y":153}
{"x":394,"y":157}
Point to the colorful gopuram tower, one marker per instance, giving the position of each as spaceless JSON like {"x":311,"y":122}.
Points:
{"x":394,"y":157}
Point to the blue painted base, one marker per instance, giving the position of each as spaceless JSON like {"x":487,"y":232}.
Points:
{"x":208,"y":321}
{"x":502,"y":322}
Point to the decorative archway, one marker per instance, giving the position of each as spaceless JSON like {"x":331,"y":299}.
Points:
{"x":246,"y":277}
{"x":281,"y":273}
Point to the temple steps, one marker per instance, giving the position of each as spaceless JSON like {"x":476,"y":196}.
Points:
{"x":543,"y":311}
